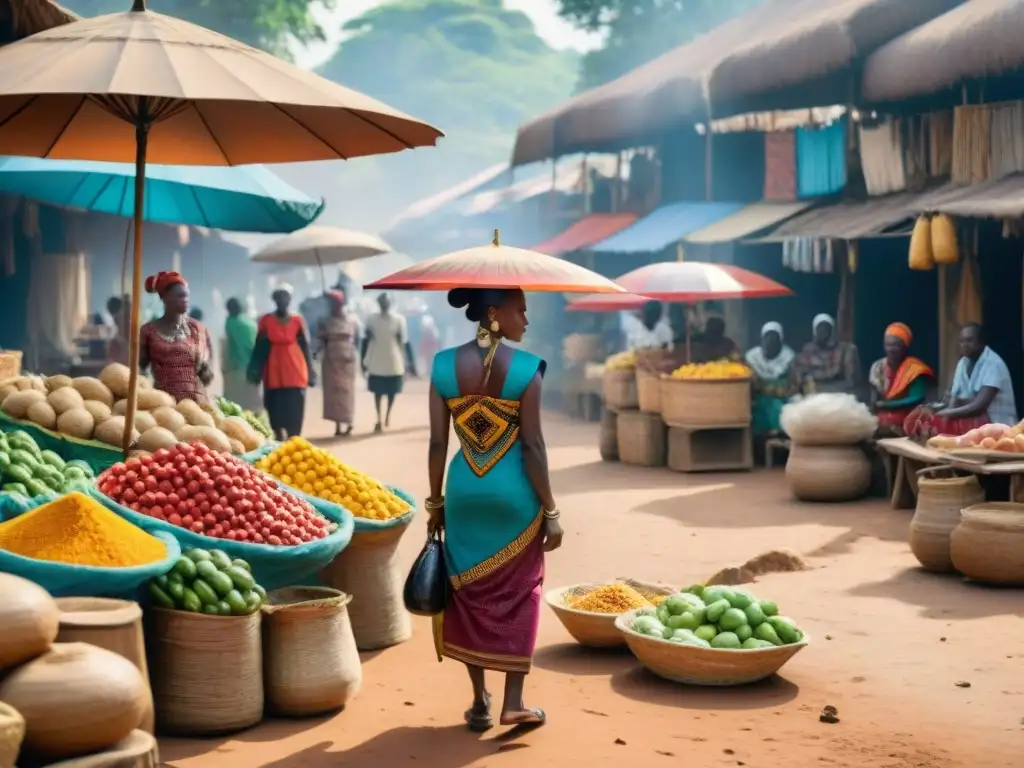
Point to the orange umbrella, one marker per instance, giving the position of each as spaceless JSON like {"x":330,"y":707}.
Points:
{"x":497,"y":266}
{"x":144,"y":87}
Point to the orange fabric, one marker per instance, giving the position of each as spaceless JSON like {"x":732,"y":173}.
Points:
{"x":286,"y":365}
{"x":900,"y":331}
{"x":162,"y":282}
{"x":585,"y":232}
{"x":910,"y":369}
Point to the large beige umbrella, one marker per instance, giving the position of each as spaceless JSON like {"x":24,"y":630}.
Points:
{"x":317,"y":245}
{"x":147,"y":87}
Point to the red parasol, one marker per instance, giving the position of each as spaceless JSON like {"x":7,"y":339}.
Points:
{"x":497,"y":266}
{"x":608,"y":302}
{"x":688,"y":282}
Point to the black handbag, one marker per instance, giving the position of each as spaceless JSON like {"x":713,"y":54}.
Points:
{"x":426,"y":588}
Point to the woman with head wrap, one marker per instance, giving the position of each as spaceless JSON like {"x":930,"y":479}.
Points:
{"x":337,"y":342}
{"x":899,"y":382}
{"x":174,"y":346}
{"x":240,"y":334}
{"x":826,"y":364}
{"x":770,"y":363}
{"x":281,"y":359}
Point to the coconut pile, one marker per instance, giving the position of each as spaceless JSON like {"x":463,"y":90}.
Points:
{"x":90,"y":408}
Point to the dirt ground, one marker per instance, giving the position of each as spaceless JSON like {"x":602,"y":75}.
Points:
{"x":892,"y":647}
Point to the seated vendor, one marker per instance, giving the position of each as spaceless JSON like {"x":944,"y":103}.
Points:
{"x":770,"y":364}
{"x":826,"y":364}
{"x":982,"y":393}
{"x":713,"y":343}
{"x":899,"y":382}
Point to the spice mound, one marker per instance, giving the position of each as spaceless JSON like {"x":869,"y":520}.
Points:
{"x":611,"y":598}
{"x":77,"y":530}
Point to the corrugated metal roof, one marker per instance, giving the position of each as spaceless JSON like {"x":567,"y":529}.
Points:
{"x":747,"y":221}
{"x":585,"y":232}
{"x":997,"y":199}
{"x":849,"y":220}
{"x":664,"y":226}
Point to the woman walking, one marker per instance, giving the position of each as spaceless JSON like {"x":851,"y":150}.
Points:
{"x":174,"y":346}
{"x":337,"y":338}
{"x":386,"y":354}
{"x":281,"y":359}
{"x":240,"y":333}
{"x":498,"y":514}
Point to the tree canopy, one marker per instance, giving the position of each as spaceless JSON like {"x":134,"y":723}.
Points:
{"x":266,"y":24}
{"x":637,"y":31}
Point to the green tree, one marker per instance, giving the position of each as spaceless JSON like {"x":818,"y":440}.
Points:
{"x":637,"y":31}
{"x":266,"y":24}
{"x":473,"y":68}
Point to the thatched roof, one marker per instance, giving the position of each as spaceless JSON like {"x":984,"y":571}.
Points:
{"x":21,"y":18}
{"x":780,"y":43}
{"x":980,"y":38}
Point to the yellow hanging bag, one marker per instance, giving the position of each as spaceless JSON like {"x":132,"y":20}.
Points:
{"x":944,"y":243}
{"x":921,"y":257}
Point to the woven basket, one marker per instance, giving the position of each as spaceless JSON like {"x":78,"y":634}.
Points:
{"x":310,"y":661}
{"x":595,"y":630}
{"x":609,"y":436}
{"x":642,"y":439}
{"x":939,"y":503}
{"x":206,"y":671}
{"x":988,"y":545}
{"x":10,"y":364}
{"x":115,"y":625}
{"x":12,"y":731}
{"x":138,"y":750}
{"x":828,"y":472}
{"x":705,"y":402}
{"x":704,"y":666}
{"x":648,"y":391}
{"x":368,"y":571}
{"x":619,"y":388}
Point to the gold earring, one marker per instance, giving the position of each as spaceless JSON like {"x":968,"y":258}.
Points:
{"x":494,"y":326}
{"x":483,"y":337}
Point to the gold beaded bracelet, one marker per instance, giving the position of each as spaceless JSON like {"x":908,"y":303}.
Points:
{"x":437,"y":503}
{"x":552,"y":514}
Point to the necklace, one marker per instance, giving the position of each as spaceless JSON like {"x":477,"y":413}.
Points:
{"x":177,"y":332}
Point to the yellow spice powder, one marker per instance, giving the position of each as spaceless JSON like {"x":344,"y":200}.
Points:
{"x":611,"y":598}
{"x":78,"y":530}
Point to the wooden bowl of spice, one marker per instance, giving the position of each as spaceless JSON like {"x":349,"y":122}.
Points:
{"x":588,"y":611}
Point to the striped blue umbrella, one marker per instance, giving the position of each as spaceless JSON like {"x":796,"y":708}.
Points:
{"x":247,"y":198}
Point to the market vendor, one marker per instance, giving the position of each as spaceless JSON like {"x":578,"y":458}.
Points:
{"x":981,"y":393}
{"x":649,"y":331}
{"x":174,"y":345}
{"x":713,"y":344}
{"x":826,"y":364}
{"x":899,"y":381}
{"x":770,"y":363}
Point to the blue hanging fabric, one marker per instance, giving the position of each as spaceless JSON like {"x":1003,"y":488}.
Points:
{"x":821,"y":159}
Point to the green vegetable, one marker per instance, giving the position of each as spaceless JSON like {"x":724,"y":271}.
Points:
{"x":51,"y":458}
{"x":241,"y":579}
{"x":786,"y":629}
{"x":191,"y":602}
{"x":75,"y":473}
{"x":220,"y":559}
{"x":5,"y":461}
{"x":23,"y":441}
{"x":36,"y":487}
{"x":769,"y":608}
{"x":236,"y":602}
{"x":682,"y":602}
{"x":206,"y":568}
{"x":205,"y":592}
{"x":252,"y":601}
{"x":221,"y":582}
{"x":714,"y":594}
{"x":161,"y":581}
{"x":186,"y":568}
{"x":195,"y":555}
{"x":261,"y":592}
{"x":241,"y":564}
{"x":726,"y":640}
{"x":688,"y":638}
{"x":648,"y":625}
{"x":744,"y":632}
{"x":696,"y":589}
{"x":176,"y":590}
{"x":716,"y":609}
{"x":739,"y":599}
{"x":753,"y":643}
{"x":663,"y":613}
{"x":18,"y":488}
{"x":160,"y":598}
{"x":223,"y":609}
{"x":755,"y":614}
{"x":688,"y":621}
{"x":706,"y":631}
{"x":24,"y":458}
{"x":767,"y":633}
{"x":18,"y":473}
{"x":175,"y":578}
{"x":731,"y":619}
{"x":211,"y":610}
{"x":82,"y":465}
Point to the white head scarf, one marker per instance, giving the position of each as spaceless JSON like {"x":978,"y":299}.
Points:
{"x":778,"y":366}
{"x":773,"y":326}
{"x":822,"y":318}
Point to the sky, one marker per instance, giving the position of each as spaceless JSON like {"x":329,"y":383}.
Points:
{"x":556,"y":32}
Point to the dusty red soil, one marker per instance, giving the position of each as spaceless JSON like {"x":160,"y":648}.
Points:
{"x":889,"y":643}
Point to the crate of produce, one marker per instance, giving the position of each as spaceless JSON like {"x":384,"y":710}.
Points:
{"x":712,"y":636}
{"x":641,"y":438}
{"x":588,"y":611}
{"x":713,"y":394}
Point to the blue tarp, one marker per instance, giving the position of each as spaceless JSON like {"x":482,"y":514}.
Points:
{"x":249,"y":198}
{"x":664,"y":226}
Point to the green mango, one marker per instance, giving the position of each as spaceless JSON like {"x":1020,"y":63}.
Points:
{"x":767,"y":633}
{"x":786,"y":629}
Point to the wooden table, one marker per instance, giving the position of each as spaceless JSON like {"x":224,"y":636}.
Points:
{"x":910,"y":458}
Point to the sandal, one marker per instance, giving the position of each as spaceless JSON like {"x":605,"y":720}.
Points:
{"x":529,"y":718}
{"x":478,"y":717}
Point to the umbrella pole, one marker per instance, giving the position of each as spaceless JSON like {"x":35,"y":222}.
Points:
{"x":141,"y":140}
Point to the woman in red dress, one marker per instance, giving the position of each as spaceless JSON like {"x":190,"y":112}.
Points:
{"x":281,"y":359}
{"x":174,"y":345}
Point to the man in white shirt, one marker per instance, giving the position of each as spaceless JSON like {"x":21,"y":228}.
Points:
{"x":648,"y":331}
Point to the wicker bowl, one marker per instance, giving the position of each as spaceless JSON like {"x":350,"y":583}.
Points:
{"x":704,"y":666}
{"x":596,"y":630}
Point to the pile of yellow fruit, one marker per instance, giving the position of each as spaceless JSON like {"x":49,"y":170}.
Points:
{"x":318,"y":473}
{"x":717,"y":369}
{"x":623,"y":361}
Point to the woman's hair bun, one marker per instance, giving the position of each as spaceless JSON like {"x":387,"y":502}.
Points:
{"x":459,"y":297}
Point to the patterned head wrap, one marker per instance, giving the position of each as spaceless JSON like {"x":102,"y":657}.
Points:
{"x":901,"y":331}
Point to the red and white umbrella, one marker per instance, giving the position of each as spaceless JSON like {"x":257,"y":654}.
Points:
{"x":497,"y":266}
{"x":607,"y":302}
{"x":688,"y":282}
